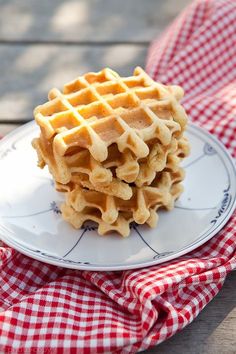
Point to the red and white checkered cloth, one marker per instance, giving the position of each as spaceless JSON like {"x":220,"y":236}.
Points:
{"x":47,"y":309}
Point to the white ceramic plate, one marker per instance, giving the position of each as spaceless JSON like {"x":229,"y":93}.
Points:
{"x":30,"y":220}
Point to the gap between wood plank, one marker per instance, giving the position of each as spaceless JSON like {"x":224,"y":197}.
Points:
{"x":71,"y":43}
{"x":14,"y":121}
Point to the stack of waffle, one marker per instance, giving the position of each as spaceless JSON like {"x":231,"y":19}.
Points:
{"x":114,"y":146}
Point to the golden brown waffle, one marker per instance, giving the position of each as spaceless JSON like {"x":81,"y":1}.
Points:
{"x":80,"y":168}
{"x":101,"y":109}
{"x":114,"y":146}
{"x":121,"y":225}
{"x":144,"y":198}
{"x":124,"y":218}
{"x":158,"y":160}
{"x":161,"y":158}
{"x":124,"y":165}
{"x":116,"y":188}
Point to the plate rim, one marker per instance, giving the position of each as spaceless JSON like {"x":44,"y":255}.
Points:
{"x":195,"y":244}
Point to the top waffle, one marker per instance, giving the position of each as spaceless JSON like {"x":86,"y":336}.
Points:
{"x":100,"y":109}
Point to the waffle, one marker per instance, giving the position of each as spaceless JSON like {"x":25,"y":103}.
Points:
{"x":101,"y":109}
{"x":126,"y":168}
{"x":146,"y":200}
{"x":161,"y":158}
{"x":121,"y":225}
{"x":158,"y":160}
{"x":80,"y":167}
{"x":114,"y":146}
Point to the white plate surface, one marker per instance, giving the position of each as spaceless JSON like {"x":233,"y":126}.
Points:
{"x":31,"y":223}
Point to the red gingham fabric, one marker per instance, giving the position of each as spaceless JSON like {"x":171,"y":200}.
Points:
{"x":47,"y":309}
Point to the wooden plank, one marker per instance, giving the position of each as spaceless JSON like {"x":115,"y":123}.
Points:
{"x":29,"y":72}
{"x":7,"y":128}
{"x":212,"y":332}
{"x":75,"y":21}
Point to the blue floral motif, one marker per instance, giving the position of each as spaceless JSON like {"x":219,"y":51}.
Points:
{"x":55,"y":208}
{"x":208,"y":149}
{"x":224,"y":204}
{"x":89,"y":227}
{"x":5,"y":153}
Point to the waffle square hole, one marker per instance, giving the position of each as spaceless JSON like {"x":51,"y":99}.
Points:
{"x":148,"y":93}
{"x":83,"y":97}
{"x":133,"y":82}
{"x":110,"y":89}
{"x":52,"y":107}
{"x":162,"y":111}
{"x":93,"y":78}
{"x":109,"y":129}
{"x":137,"y":119}
{"x":74,"y":86}
{"x":122,"y":101}
{"x":64,"y":120}
{"x":95,"y":109}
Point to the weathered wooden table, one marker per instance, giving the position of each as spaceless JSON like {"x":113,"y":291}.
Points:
{"x":47,"y":43}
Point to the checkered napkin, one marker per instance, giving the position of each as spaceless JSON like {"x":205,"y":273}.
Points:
{"x":47,"y":309}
